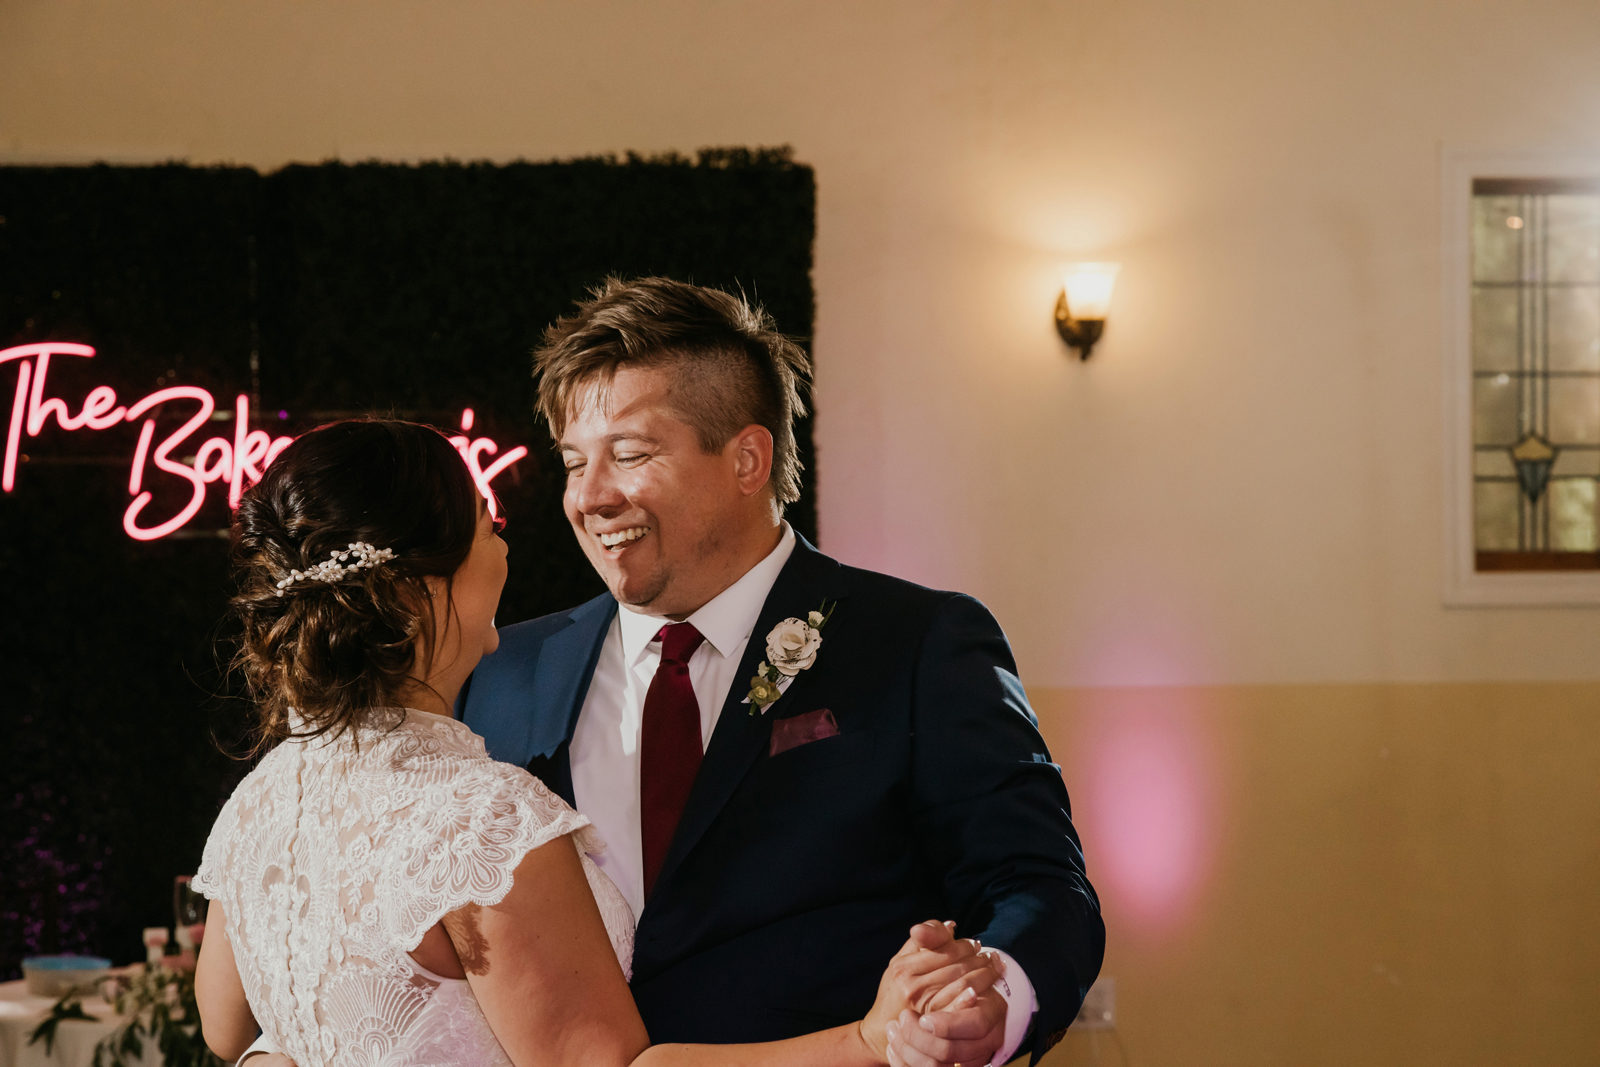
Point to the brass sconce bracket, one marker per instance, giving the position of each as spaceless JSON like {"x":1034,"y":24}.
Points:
{"x":1079,"y":334}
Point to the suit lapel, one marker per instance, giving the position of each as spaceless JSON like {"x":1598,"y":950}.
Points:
{"x":805,"y":582}
{"x":566,"y":666}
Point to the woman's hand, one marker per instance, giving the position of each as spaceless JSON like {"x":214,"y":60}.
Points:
{"x":970,"y":1031}
{"x":929,"y":973}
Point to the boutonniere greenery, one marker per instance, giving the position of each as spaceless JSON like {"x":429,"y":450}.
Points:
{"x":791,"y":648}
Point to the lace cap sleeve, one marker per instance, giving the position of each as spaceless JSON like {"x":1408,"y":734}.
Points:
{"x":468,"y":829}
{"x":226,"y":857}
{"x":212,"y":877}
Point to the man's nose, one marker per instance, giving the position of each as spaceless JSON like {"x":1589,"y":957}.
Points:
{"x":597,"y":490}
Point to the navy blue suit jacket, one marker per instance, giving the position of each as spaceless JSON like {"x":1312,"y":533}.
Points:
{"x":792,"y":879}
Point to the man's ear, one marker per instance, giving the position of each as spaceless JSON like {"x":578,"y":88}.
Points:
{"x":751,"y":451}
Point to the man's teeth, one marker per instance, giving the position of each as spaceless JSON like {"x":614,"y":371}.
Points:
{"x":612,"y":540}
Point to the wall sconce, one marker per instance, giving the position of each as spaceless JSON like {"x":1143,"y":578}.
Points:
{"x":1084,"y":302}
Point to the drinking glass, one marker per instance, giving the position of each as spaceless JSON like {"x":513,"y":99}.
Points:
{"x":188,"y":907}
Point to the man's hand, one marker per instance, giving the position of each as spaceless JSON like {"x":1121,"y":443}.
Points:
{"x":930,"y":972}
{"x":966,"y":1034}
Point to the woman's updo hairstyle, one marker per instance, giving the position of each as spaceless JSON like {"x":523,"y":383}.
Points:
{"x":332,"y":651}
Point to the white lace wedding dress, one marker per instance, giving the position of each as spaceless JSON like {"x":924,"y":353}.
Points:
{"x":333,"y":859}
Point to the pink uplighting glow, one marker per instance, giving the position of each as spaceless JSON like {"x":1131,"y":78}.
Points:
{"x":1150,"y":807}
{"x":237,"y":463}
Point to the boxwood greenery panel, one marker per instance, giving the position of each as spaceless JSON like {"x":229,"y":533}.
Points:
{"x":320,"y":291}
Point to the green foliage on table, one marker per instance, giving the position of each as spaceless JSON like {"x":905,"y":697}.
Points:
{"x":158,"y":1004}
{"x":68,"y":1007}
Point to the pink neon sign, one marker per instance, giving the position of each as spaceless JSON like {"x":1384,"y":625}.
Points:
{"x":238,"y":462}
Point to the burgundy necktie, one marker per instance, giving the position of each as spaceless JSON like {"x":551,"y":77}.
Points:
{"x":669,"y":746}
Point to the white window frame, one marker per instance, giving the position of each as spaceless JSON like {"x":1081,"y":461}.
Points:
{"x":1464,"y":585}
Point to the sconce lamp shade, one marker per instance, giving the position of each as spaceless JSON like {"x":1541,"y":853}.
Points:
{"x":1088,"y":287}
{"x":1085,"y":304}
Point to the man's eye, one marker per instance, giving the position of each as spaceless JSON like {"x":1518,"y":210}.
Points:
{"x":574,"y":466}
{"x":631,"y":458}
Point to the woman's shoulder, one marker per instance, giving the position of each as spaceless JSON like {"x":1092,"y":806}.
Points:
{"x":444,"y":765}
{"x":422,"y":749}
{"x":459,"y":823}
{"x":409,"y":738}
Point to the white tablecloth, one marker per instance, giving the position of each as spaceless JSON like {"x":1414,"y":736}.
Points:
{"x":75,"y":1040}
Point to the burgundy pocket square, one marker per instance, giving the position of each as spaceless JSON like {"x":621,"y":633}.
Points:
{"x":800,"y":730}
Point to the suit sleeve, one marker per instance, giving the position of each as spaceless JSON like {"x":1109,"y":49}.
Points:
{"x":993,"y":817}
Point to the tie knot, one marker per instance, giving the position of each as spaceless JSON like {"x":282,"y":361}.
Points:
{"x":678,"y":641}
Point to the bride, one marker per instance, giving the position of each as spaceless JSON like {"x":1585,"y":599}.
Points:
{"x":382,"y":891}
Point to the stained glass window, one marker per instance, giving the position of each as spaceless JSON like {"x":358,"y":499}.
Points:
{"x":1536,"y":373}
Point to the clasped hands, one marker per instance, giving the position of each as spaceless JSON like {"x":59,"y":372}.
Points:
{"x":937,"y":1005}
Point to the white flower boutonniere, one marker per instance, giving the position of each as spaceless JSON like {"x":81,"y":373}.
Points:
{"x":791,"y":648}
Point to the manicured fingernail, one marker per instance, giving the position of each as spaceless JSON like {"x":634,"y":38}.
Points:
{"x":951,"y":923}
{"x":893,"y":1030}
{"x":927,"y":1024}
{"x":967,"y":994}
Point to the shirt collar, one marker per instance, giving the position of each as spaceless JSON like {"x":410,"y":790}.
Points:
{"x":726,"y":620}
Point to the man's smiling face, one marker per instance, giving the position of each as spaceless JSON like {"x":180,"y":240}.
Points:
{"x":657,"y":516}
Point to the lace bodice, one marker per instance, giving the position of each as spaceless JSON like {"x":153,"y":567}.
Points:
{"x":332,"y":860}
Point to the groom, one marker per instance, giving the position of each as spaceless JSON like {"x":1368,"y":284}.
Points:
{"x":791,"y":760}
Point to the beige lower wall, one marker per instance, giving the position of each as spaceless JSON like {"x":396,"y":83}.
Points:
{"x":1382,"y":874}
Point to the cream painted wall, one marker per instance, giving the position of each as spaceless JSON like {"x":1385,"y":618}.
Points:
{"x":1244,"y":485}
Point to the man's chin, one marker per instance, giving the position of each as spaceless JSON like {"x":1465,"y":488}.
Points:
{"x":638,"y":594}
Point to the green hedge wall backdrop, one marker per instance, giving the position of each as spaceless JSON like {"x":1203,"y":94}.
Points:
{"x":320,"y":291}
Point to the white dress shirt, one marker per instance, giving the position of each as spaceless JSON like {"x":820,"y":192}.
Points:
{"x":605,"y":744}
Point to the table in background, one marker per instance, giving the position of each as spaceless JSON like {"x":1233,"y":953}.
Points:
{"x":21,"y":1013}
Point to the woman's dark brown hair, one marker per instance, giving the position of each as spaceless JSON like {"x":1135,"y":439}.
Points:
{"x":332,"y":651}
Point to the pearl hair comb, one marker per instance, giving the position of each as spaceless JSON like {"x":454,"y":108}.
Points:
{"x":334,"y":568}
